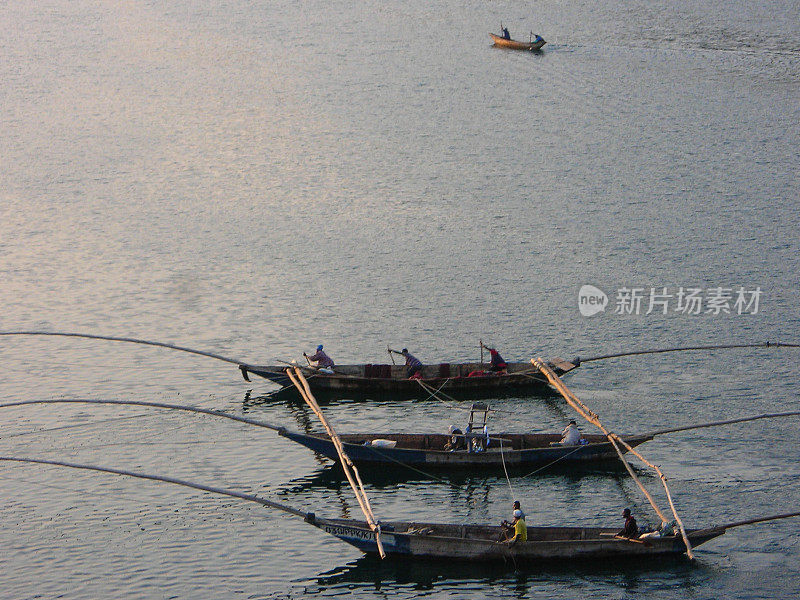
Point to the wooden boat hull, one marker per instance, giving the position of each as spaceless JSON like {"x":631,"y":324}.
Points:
{"x":515,"y":45}
{"x":451,"y":378}
{"x":479,"y":542}
{"x":518,"y":450}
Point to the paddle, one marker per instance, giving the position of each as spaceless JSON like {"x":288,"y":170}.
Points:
{"x":622,"y":538}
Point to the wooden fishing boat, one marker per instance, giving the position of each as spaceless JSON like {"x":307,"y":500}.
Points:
{"x":480,"y":542}
{"x":514,"y":450}
{"x":535,"y":44}
{"x":450,"y":378}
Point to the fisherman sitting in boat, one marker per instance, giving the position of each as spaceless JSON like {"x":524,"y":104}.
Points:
{"x":456,"y":440}
{"x":324,"y":362}
{"x":571,"y":436}
{"x":506,"y":34}
{"x":516,"y":530}
{"x":412,"y":362}
{"x":631,"y":529}
{"x":477,"y":442}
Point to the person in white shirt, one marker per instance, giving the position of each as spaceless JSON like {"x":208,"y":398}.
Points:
{"x":571,"y":436}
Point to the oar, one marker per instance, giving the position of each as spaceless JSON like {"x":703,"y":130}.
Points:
{"x":308,"y":367}
{"x":622,"y":538}
{"x":617,"y":536}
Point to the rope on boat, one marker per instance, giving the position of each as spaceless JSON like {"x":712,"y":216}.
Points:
{"x":584,"y":411}
{"x":162,"y":478}
{"x":508,"y":479}
{"x":578,"y":361}
{"x":347,"y":465}
{"x":194,"y":409}
{"x":550,"y":464}
{"x":408,"y":466}
{"x":434,"y":392}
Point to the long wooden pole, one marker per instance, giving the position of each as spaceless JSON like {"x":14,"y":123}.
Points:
{"x":193,"y":409}
{"x":687,"y":348}
{"x":126,"y":339}
{"x":666,"y":489}
{"x":163,"y":478}
{"x":792,"y":413}
{"x":760,"y":520}
{"x":350,"y":470}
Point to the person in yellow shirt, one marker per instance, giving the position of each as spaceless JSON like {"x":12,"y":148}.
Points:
{"x":517,"y":526}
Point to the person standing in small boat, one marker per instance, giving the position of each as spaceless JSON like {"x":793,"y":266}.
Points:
{"x":631,"y":529}
{"x":323,"y":360}
{"x":497,"y":364}
{"x":571,"y":436}
{"x":412,"y":362}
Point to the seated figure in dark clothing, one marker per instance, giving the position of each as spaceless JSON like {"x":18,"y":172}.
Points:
{"x":631,"y":529}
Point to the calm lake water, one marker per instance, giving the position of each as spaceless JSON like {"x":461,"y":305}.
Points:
{"x":253,"y":179}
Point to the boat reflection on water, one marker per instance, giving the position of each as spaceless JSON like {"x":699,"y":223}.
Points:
{"x":370,"y":572}
{"x":332,"y":478}
{"x":323,"y":397}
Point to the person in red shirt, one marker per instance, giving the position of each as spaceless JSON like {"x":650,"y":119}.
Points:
{"x":497,"y":364}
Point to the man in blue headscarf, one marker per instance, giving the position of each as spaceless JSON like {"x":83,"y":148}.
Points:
{"x":323,"y":360}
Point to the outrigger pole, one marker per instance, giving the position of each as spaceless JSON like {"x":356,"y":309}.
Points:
{"x":194,"y":409}
{"x":792,"y":413}
{"x":126,"y":339}
{"x":165,"y":479}
{"x":577,"y":362}
{"x":243,"y":366}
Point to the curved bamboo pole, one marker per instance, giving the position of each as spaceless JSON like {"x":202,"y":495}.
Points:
{"x":688,"y":348}
{"x":759,"y":520}
{"x":666,"y":489}
{"x":587,"y":414}
{"x":126,"y":339}
{"x":194,"y":409}
{"x":792,"y":413}
{"x":162,"y":478}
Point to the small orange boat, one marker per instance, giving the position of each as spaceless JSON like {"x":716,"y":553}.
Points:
{"x":536,"y":43}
